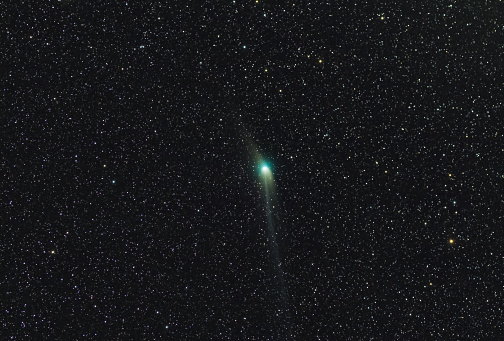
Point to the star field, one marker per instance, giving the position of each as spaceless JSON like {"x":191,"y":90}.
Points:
{"x":132,"y":138}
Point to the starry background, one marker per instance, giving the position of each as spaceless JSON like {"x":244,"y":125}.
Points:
{"x":130,"y":201}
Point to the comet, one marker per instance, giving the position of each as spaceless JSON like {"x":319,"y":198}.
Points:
{"x":264,"y":171}
{"x":282,"y":303}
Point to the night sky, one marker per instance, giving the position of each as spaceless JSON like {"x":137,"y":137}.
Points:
{"x":133,"y":201}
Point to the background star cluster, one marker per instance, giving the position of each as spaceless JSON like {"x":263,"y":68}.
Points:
{"x":130,"y":199}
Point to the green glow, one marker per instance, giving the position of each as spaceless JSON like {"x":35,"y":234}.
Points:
{"x":267,"y":178}
{"x":267,"y":175}
{"x":264,"y":168}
